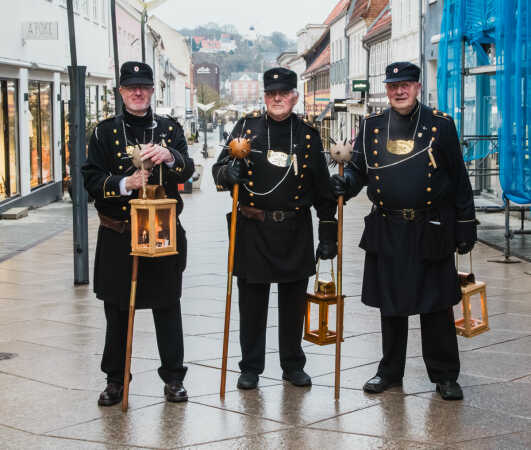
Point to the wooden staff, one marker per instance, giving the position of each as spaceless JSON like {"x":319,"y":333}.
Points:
{"x":129,"y":348}
{"x":339,"y":306}
{"x":239,"y":149}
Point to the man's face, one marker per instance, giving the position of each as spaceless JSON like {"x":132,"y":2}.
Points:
{"x":137,"y":98}
{"x":403,"y":95}
{"x":279,"y":104}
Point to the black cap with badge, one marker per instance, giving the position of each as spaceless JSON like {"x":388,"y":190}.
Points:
{"x":135,"y":73}
{"x":401,"y":71}
{"x":279,"y":79}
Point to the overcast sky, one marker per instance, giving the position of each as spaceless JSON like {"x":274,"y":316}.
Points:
{"x":287,"y":16}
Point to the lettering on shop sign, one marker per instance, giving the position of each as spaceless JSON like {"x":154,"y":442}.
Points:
{"x":40,"y":30}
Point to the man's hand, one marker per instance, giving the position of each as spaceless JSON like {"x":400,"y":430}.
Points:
{"x":465,"y":247}
{"x":156,"y":153}
{"x":338,"y":185}
{"x":135,"y":181}
{"x":231,"y":173}
{"x":326,"y":250}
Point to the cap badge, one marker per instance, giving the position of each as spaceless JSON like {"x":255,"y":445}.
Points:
{"x":136,"y":68}
{"x":395,"y":70}
{"x":275,"y":76}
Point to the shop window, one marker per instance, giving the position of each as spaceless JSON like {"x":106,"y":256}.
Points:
{"x":40,"y":127}
{"x":8,"y":140}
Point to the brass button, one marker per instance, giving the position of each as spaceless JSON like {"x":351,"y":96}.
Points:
{"x":420,"y":134}
{"x":445,"y":115}
{"x":428,"y":189}
{"x":117,"y":142}
{"x":113,"y":193}
{"x":248,"y":131}
{"x":249,"y":172}
{"x":115,"y":131}
{"x":432,"y":139}
{"x":308,"y":146}
{"x":377,"y":177}
{"x":376,"y":141}
{"x":430,"y":164}
{"x":124,"y":208}
{"x":379,"y":191}
{"x":435,"y":111}
{"x":306,"y":155}
{"x":428,"y":202}
{"x":126,"y":220}
{"x":434,"y":129}
{"x":251,"y":194}
{"x":170,"y":128}
{"x":250,"y":183}
{"x":376,"y":131}
{"x":252,"y":203}
{"x":120,"y":167}
{"x":118,"y":154}
{"x":375,"y":152}
{"x":429,"y":175}
{"x":308,"y":137}
{"x":376,"y":165}
{"x":296,"y":197}
{"x":169,"y":140}
{"x":304,"y":166}
{"x":302,"y":175}
{"x":296,"y":208}
{"x":299,"y":186}
{"x":107,"y":193}
{"x":380,"y":203}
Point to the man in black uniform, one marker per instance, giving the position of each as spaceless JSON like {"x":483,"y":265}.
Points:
{"x":112,"y":180}
{"x":423,"y":211}
{"x":283,"y":176}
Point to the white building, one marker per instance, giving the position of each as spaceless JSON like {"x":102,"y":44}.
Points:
{"x":405,"y":31}
{"x":34,"y":55}
{"x":295,"y":62}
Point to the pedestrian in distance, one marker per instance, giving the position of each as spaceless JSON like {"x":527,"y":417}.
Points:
{"x":112,"y":180}
{"x":410,"y":159}
{"x":283,"y":176}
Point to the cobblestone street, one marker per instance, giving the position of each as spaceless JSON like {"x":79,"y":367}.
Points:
{"x":54,"y":333}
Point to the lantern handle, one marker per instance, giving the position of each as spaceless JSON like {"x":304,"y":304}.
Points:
{"x":457,"y":261}
{"x":316,"y":284}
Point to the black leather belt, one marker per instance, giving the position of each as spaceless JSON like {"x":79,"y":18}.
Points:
{"x":408,"y":214}
{"x":261,"y":215}
{"x":280,"y":216}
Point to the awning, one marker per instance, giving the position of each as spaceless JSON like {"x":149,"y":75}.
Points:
{"x":324,"y":112}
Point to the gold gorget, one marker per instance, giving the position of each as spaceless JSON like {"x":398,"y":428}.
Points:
{"x":400,"y":146}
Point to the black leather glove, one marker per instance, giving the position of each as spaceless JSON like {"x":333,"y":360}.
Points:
{"x":230,"y":173}
{"x":327,"y":248}
{"x":338,"y":185}
{"x":465,"y":247}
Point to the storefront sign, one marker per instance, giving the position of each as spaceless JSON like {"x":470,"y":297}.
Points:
{"x":360,"y":85}
{"x":40,"y":31}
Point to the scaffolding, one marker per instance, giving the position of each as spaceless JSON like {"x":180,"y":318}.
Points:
{"x":484,"y":81}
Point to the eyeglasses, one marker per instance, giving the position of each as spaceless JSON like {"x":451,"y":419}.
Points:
{"x":272,"y":94}
{"x":133,"y":88}
{"x":404,"y":85}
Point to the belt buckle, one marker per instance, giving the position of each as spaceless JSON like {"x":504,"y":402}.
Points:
{"x":278,"y":216}
{"x":408,"y":214}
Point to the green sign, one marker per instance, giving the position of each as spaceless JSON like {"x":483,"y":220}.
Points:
{"x":360,"y":85}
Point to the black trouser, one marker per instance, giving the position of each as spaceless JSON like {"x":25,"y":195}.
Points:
{"x":439,"y":346}
{"x":253,"y":302}
{"x":169,"y":331}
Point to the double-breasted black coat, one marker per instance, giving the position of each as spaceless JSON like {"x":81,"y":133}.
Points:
{"x":269,"y":251}
{"x":108,"y":162}
{"x":421,"y":210}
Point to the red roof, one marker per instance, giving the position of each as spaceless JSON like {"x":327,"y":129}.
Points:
{"x":322,"y":60}
{"x":366,"y":9}
{"x":383,"y":23}
{"x":338,"y":9}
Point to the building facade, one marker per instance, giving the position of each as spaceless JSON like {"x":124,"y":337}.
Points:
{"x":245,"y":89}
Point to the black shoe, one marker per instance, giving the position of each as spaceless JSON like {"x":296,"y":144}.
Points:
{"x":175,"y":392}
{"x":247,"y":380}
{"x":377,"y":384}
{"x":297,"y":378}
{"x":450,"y":390}
{"x":112,"y":394}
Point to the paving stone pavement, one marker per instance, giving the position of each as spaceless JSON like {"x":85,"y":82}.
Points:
{"x":55,"y":331}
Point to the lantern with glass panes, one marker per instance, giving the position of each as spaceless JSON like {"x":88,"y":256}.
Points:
{"x":467,"y":325}
{"x":324,"y":296}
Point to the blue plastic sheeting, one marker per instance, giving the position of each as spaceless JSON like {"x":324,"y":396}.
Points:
{"x":513,"y":83}
{"x":482,"y":24}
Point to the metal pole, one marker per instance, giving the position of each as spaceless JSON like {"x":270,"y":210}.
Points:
{"x":507,"y":252}
{"x":117,"y":96}
{"x":77,"y":157}
{"x":143,"y":33}
{"x":421,"y":59}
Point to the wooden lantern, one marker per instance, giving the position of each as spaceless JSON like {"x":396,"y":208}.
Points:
{"x":469,"y":326}
{"x":324,"y":296}
{"x":153,"y":227}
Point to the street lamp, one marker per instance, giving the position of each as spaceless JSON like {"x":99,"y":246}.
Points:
{"x":146,"y":5}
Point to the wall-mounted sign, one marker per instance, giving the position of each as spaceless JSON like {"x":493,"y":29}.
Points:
{"x":203,"y":70}
{"x":360,"y":85}
{"x":340,"y":105}
{"x":42,"y":31}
